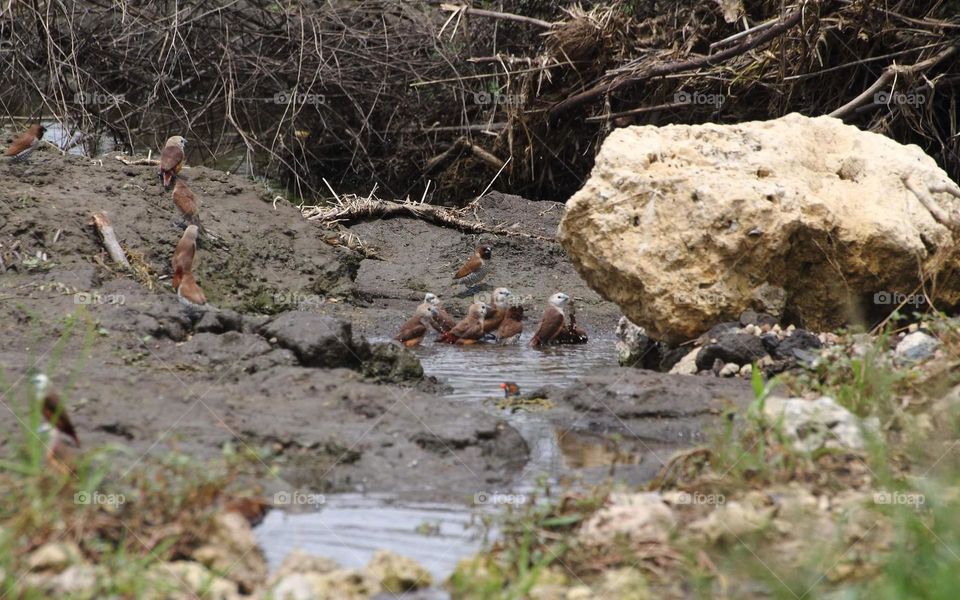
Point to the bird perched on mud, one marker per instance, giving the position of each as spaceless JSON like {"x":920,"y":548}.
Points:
{"x":186,"y":202}
{"x":442,"y":322}
{"x":470,"y":329}
{"x":62,"y":443}
{"x":552,"y":322}
{"x":22,"y":147}
{"x":501,"y":302}
{"x":413,"y":331}
{"x":171,"y":159}
{"x":512,"y":325}
{"x":184,"y":283}
{"x":476,"y":268}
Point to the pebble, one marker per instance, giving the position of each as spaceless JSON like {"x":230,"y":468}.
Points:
{"x":730,"y":369}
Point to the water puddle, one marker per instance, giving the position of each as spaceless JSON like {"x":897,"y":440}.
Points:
{"x":350,"y":527}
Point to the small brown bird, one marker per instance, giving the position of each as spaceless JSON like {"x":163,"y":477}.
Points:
{"x":470,"y":329}
{"x":476,"y":268}
{"x":551,"y":324}
{"x":22,"y":147}
{"x":186,"y":202}
{"x":171,"y":159}
{"x":62,"y":443}
{"x":184,"y":253}
{"x":501,"y":302}
{"x":509,"y":330}
{"x":190,"y":293}
{"x":443,"y":322}
{"x":413,"y":331}
{"x":184,"y":283}
{"x":510,"y":389}
{"x":571,"y":334}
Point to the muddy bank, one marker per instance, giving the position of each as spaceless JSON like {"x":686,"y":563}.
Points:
{"x":293,"y":363}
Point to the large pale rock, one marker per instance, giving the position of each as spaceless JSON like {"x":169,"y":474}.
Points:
{"x":684,"y":226}
{"x":814,"y":424}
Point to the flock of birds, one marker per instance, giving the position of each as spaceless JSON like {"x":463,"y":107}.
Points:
{"x":501,"y":322}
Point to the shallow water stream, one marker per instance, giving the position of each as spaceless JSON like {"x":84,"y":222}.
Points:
{"x":350,"y":527}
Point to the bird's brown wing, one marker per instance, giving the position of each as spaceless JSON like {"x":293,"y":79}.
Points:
{"x":460,"y":328}
{"x":171,"y":158}
{"x":56,"y":415}
{"x":473,"y":329}
{"x":443,"y":322}
{"x":550,"y":325}
{"x":20,"y":144}
{"x":184,"y":199}
{"x":410,"y":330}
{"x":468,"y":267}
{"x":509,"y":328}
{"x":183,"y":259}
{"x":190,"y":290}
{"x":494,"y":321}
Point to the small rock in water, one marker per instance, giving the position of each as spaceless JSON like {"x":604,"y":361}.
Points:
{"x":633,"y":343}
{"x":916,"y":347}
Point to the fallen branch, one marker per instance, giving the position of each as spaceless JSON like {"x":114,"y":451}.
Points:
{"x":356,"y":209}
{"x":451,"y":153}
{"x":891,"y":72}
{"x":924,"y":192}
{"x":110,"y":240}
{"x":492,"y":14}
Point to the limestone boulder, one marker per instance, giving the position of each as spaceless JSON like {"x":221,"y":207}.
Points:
{"x":684,"y":226}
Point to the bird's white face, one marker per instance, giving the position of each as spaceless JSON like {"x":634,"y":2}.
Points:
{"x":40,"y":383}
{"x":559,"y":299}
{"x":500,"y":296}
{"x":181,"y":141}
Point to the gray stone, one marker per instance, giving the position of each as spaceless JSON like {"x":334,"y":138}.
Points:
{"x":916,"y":347}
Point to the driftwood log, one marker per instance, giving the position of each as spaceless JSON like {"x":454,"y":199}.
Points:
{"x":109,"y":238}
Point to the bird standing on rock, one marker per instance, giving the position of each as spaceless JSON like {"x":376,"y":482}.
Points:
{"x":22,"y":147}
{"x":442,"y":322}
{"x":184,"y":283}
{"x":171,"y":159}
{"x":476,"y":268}
{"x":470,"y":329}
{"x":551,"y":324}
{"x":63,"y":442}
{"x":413,"y":331}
